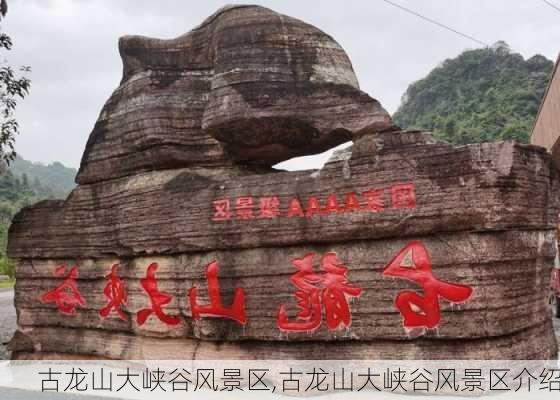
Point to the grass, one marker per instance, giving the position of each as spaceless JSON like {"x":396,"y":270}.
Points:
{"x":7,"y":284}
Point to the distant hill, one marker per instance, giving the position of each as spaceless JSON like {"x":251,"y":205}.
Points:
{"x":52,"y":181}
{"x":481,"y":95}
{"x":23,"y":183}
{"x":15,"y":193}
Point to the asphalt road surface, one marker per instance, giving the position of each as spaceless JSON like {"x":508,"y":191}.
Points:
{"x":15,"y":394}
{"x":7,"y":320}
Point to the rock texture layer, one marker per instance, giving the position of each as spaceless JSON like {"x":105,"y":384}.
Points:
{"x":487,"y":187}
{"x":265,"y":273}
{"x":474,"y":204}
{"x":188,"y":101}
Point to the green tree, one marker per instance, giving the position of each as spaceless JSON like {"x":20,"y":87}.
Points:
{"x":25,"y":181}
{"x":481,"y":95}
{"x":12,"y":88}
{"x":8,"y":267}
{"x":55,"y":180}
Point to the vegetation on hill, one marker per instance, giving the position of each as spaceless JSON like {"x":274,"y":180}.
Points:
{"x":23,"y":183}
{"x":49,"y":181}
{"x":482,"y":95}
{"x":15,"y":193}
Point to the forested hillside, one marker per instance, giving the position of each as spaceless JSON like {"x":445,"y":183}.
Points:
{"x":52,"y":181}
{"x":15,"y":193}
{"x":23,"y":183}
{"x":481,"y":95}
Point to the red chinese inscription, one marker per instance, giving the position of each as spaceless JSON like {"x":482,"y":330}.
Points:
{"x":244,"y":208}
{"x":402,"y":196}
{"x":115,"y":291}
{"x":221,"y":210}
{"x":375,"y":200}
{"x":413,"y":263}
{"x":216,"y":308}
{"x":66,"y":296}
{"x":157,"y":298}
{"x":328,"y":290}
{"x":269,"y":207}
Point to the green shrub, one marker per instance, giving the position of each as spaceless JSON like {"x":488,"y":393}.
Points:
{"x":8,"y":267}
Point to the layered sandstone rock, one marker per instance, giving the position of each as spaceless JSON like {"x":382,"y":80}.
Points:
{"x":248,"y":85}
{"x":485,"y":213}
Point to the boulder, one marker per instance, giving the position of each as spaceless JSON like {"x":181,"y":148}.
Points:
{"x":181,"y":241}
{"x":201,"y":99}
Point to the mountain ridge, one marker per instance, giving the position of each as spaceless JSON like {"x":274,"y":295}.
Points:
{"x":481,"y":95}
{"x":52,"y":180}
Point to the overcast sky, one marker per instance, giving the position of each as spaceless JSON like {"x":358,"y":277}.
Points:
{"x":71,"y":46}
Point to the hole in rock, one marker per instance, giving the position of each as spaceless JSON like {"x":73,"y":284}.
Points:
{"x":315,"y":161}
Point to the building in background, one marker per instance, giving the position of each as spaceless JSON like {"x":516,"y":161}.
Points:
{"x":546,"y":131}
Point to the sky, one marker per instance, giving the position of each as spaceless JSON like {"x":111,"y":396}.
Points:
{"x":71,"y":46}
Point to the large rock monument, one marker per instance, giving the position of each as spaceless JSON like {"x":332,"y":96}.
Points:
{"x":182,"y":241}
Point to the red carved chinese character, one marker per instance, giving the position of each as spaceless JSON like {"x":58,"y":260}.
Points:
{"x":221,"y":210}
{"x":413,"y":263}
{"x":352,"y":203}
{"x":295,"y":209}
{"x":157,"y":298}
{"x":244,"y":208}
{"x":216,"y":308}
{"x":66,"y":296}
{"x":329,"y":291}
{"x":375,"y":200}
{"x":403,"y":196}
{"x":115,"y":291}
{"x":332,"y":205}
{"x":270,"y":207}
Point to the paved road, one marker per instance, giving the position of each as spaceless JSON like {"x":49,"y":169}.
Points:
{"x":14,"y":394}
{"x":7,"y":320}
